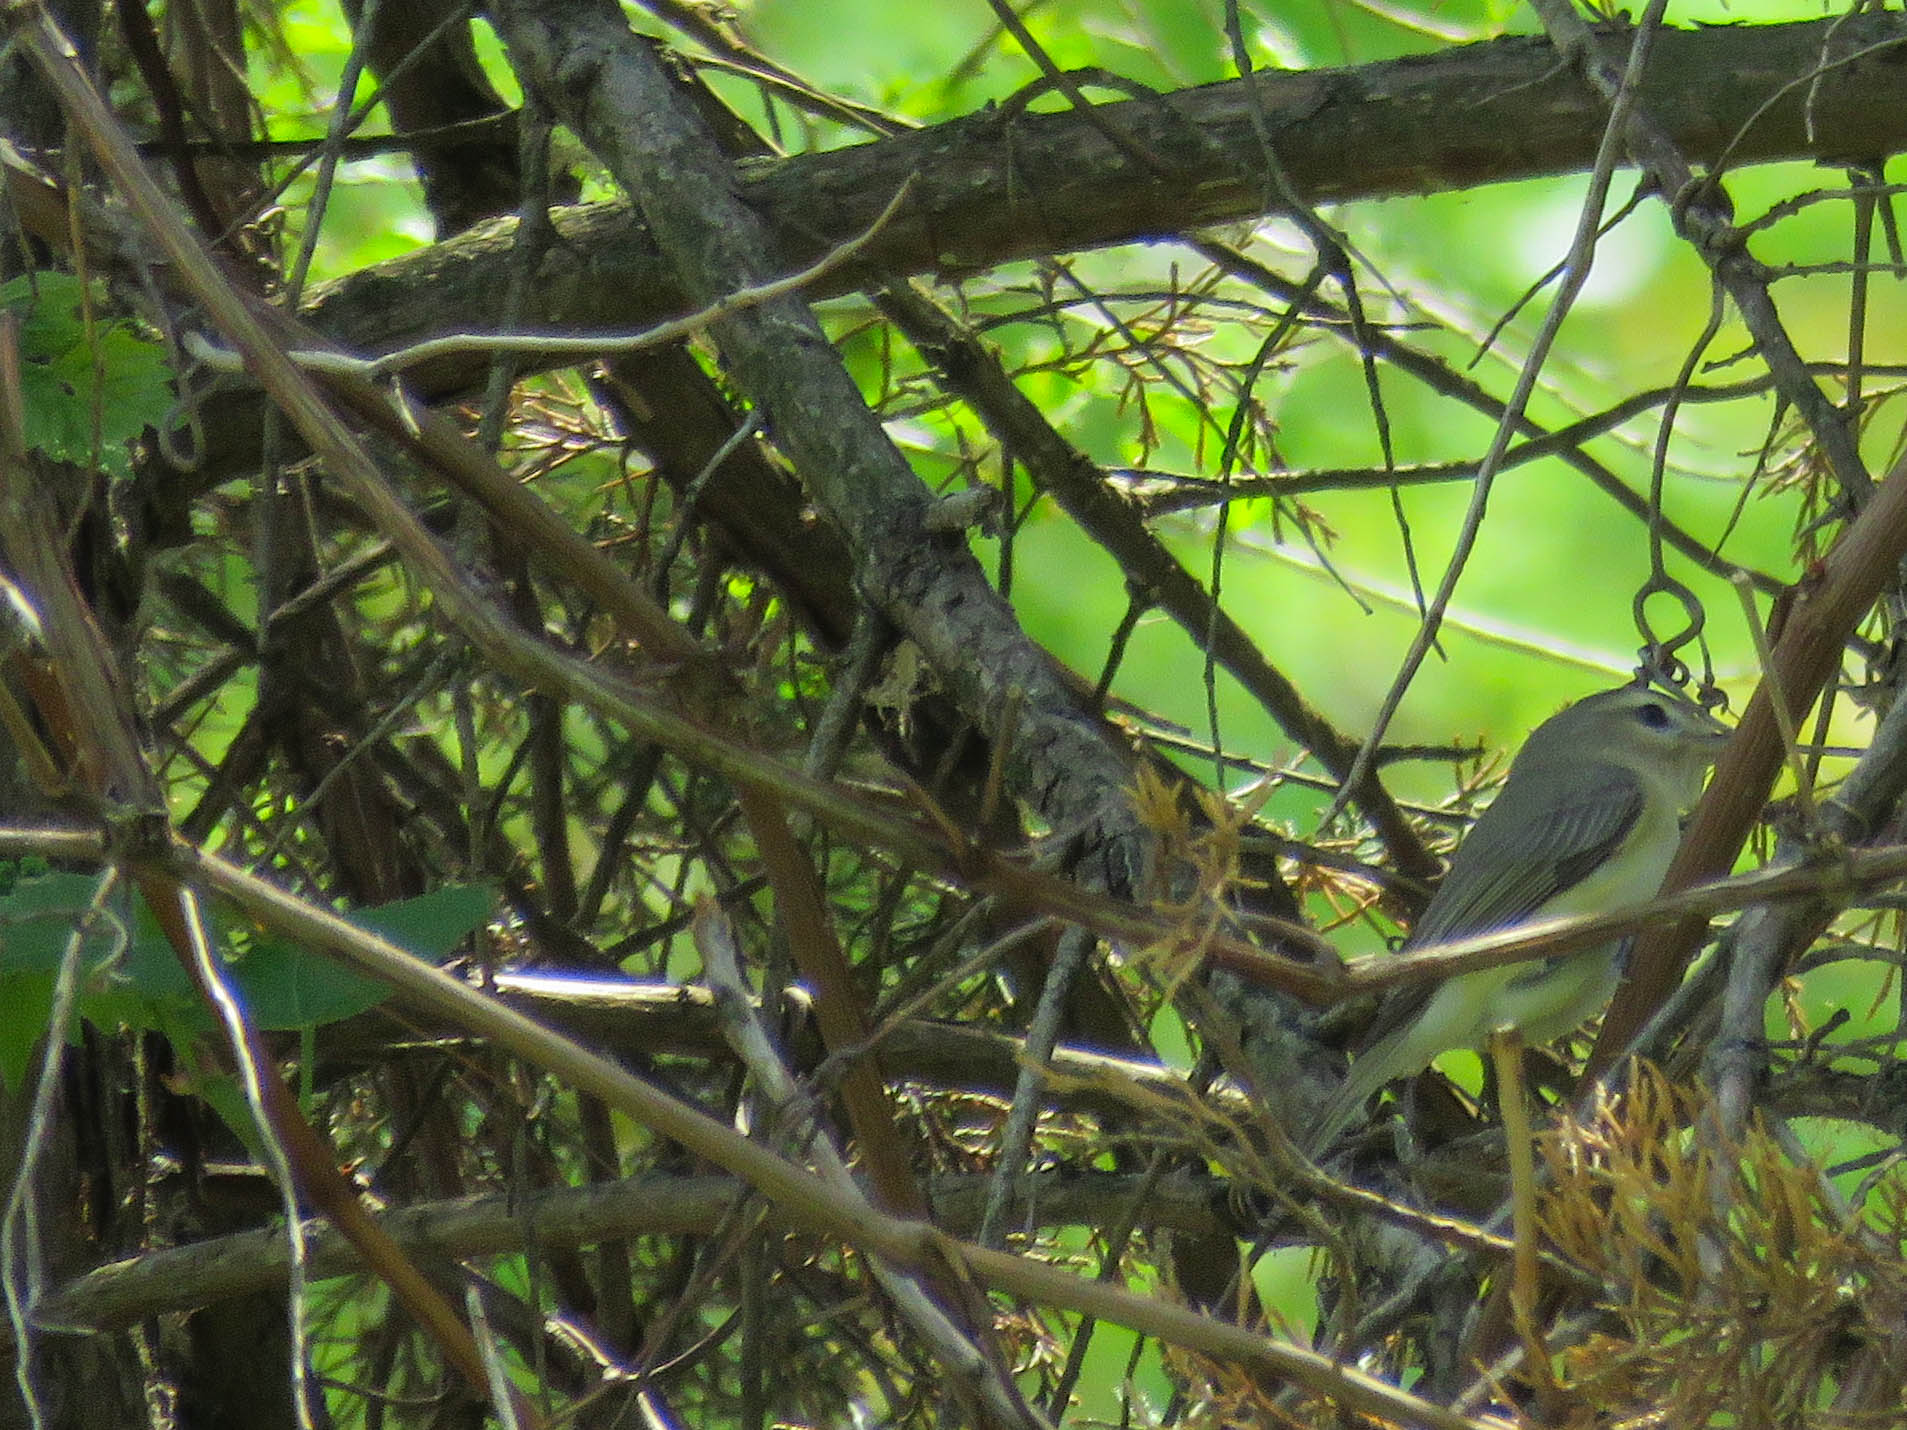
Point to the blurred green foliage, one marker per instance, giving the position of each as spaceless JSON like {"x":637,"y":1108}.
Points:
{"x":90,"y":386}
{"x":130,"y":977}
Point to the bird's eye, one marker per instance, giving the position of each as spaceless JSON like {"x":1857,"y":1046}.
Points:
{"x":1654,"y":714}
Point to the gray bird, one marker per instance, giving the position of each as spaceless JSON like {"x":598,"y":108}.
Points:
{"x":1588,"y":820}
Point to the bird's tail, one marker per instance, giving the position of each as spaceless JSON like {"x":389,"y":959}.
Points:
{"x":1401,"y":1052}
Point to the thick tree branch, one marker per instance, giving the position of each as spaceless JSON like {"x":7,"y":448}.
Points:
{"x":1004,"y":185}
{"x":1840,"y":590}
{"x":654,"y":1204}
{"x":1081,"y":487}
{"x":594,"y":72}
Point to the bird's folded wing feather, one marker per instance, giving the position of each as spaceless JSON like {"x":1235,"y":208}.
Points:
{"x":1517,"y":859}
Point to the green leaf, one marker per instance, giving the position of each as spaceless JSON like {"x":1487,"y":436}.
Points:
{"x":283,"y":985}
{"x":432,"y":925}
{"x":37,"y":918}
{"x":146,"y":987}
{"x":129,"y":976}
{"x":28,"y":1001}
{"x":153,"y":968}
{"x":286,"y":986}
{"x":118,"y":380}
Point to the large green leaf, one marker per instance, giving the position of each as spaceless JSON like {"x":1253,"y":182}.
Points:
{"x":286,"y":986}
{"x":133,"y":979}
{"x":87,"y":398}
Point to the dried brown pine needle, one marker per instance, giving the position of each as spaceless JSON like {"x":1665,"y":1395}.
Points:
{"x":1737,"y":1291}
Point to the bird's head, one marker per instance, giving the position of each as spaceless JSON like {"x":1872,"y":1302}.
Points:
{"x":1668,"y":741}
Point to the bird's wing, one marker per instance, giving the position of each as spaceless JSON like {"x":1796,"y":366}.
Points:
{"x":1529,"y":847}
{"x":1524,"y":850}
